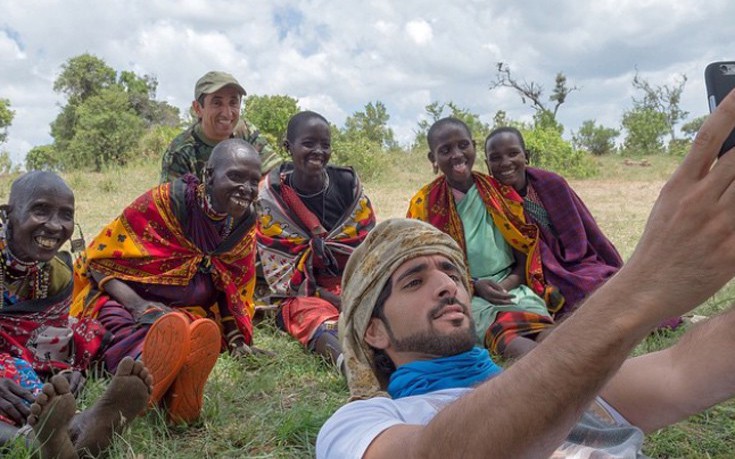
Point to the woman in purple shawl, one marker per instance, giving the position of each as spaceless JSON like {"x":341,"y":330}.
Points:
{"x":576,"y":256}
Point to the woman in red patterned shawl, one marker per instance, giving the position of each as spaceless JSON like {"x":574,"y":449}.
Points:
{"x":576,"y":255}
{"x":172,"y":277}
{"x":512,"y":305}
{"x":36,"y":338}
{"x":311,"y":217}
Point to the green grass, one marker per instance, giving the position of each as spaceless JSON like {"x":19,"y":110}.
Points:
{"x":273,"y":408}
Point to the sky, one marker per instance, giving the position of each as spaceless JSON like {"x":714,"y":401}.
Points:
{"x":335,"y":57}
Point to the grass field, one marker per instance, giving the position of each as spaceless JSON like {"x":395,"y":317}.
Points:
{"x":273,"y":407}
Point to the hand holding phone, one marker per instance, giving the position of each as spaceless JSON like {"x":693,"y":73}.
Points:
{"x":719,"y":77}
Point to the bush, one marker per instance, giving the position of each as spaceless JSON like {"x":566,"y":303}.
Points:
{"x":679,"y":147}
{"x":6,"y":164}
{"x":107,"y":131}
{"x":365,"y":156}
{"x":43,"y":158}
{"x":156,"y":140}
{"x":645,"y":129}
{"x":548,"y":150}
{"x":595,"y":139}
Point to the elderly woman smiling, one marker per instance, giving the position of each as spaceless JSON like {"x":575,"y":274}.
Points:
{"x":36,"y":340}
{"x":185,"y":247}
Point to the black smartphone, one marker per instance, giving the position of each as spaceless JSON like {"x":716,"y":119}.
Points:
{"x":719,"y":77}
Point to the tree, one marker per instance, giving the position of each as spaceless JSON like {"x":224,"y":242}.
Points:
{"x":371,"y":124}
{"x":6,"y":119}
{"x":664,"y":99}
{"x":548,"y":150}
{"x":105,"y":115}
{"x":478,"y":128}
{"x":42,"y":158}
{"x":270,"y":114}
{"x":645,"y":127}
{"x":501,"y":119}
{"x":84,"y":76}
{"x":107,"y":130}
{"x":533,"y":92}
{"x":81,"y":77}
{"x":691,"y":128}
{"x":142,"y":93}
{"x":595,"y":139}
{"x":435,"y":112}
{"x":63,"y":127}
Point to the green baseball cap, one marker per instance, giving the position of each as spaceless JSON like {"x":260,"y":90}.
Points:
{"x":214,"y":81}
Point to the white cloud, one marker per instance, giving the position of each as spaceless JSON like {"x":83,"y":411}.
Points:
{"x":337,"y":57}
{"x":419,"y":31}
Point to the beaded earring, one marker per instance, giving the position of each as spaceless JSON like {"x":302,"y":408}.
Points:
{"x":78,"y":244}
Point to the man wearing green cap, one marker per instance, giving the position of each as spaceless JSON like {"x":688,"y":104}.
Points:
{"x":217,"y":102}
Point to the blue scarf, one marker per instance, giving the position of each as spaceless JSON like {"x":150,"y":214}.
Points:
{"x":462,"y":370}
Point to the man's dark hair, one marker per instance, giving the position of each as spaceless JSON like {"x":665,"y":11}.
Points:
{"x":383,"y":366}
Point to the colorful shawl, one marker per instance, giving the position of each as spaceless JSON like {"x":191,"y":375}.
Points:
{"x":434,"y":203}
{"x":291,"y":244}
{"x":576,"y":255}
{"x":148,"y":244}
{"x":40,"y":331}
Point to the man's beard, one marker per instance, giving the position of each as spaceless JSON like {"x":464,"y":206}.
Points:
{"x":432,"y":342}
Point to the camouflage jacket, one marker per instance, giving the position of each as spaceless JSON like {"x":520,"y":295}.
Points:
{"x":190,"y":150}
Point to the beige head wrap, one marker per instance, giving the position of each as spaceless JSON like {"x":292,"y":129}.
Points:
{"x":369,"y":268}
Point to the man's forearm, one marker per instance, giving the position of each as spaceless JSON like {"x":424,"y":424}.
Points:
{"x":530,"y":408}
{"x":658,"y":389}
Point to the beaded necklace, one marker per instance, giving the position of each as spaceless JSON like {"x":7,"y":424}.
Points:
{"x":313,"y":195}
{"x":307,"y":196}
{"x":15,"y":271}
{"x":206,"y":205}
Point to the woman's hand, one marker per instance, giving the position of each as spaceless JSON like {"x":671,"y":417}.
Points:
{"x":492,"y":292}
{"x":15,"y":401}
{"x":238,"y":348}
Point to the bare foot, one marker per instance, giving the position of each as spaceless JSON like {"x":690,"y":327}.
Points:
{"x":125,"y":398}
{"x":51,"y":414}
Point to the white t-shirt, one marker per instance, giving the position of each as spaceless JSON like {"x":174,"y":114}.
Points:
{"x":349,"y":432}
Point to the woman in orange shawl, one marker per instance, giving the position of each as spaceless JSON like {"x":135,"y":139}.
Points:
{"x":184,"y":246}
{"x":512,"y":303}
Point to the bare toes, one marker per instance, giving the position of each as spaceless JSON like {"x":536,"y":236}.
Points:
{"x":41,"y":399}
{"x":60,"y":385}
{"x":125,"y":367}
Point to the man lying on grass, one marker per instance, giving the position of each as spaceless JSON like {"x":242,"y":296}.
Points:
{"x":406,"y":328}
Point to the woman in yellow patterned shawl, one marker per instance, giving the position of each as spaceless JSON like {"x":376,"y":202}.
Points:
{"x":172,"y":277}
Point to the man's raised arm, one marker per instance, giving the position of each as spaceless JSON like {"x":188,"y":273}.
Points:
{"x":686,"y":253}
